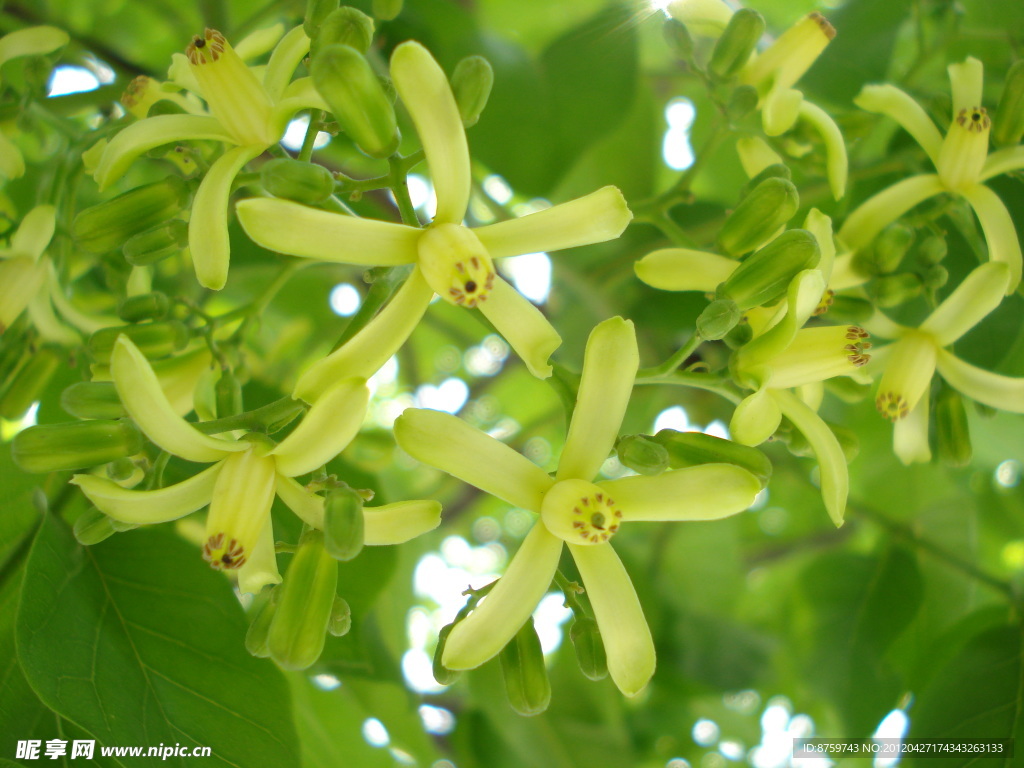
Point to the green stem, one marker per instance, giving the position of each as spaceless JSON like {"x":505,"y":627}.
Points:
{"x":569,"y":591}
{"x":282,"y":410}
{"x":400,"y":189}
{"x":677,"y":359}
{"x":381,"y":289}
{"x":316,"y":116}
{"x":710,"y":382}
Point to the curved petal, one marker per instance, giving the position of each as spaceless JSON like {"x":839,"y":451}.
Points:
{"x":1002,"y":161}
{"x":260,"y":41}
{"x":803,"y":295}
{"x":978,"y":295}
{"x":892,"y":102}
{"x":12,"y":164}
{"x":363,"y":355}
{"x":910,"y":435}
{"x":966,"y":80}
{"x":85,"y":322}
{"x":682,"y":269}
{"x":609,"y":370}
{"x":1000,"y":233}
{"x":307,"y":506}
{"x":148,"y":507}
{"x":449,"y":444}
{"x":298,"y":230}
{"x":705,"y":492}
{"x":141,"y":394}
{"x":494,"y":622}
{"x":21,"y":279}
{"x":837,"y":165}
{"x":523,"y":325}
{"x":31,"y":41}
{"x":400,"y":522}
{"x":820,"y":225}
{"x":835,"y":475}
{"x":35,"y":232}
{"x":845,"y":273}
{"x":300,"y":94}
{"x":780,"y":109}
{"x":757,"y":416}
{"x":594,"y":218}
{"x":756,"y":155}
{"x":208,"y":238}
{"x":627,"y":638}
{"x":150,"y":133}
{"x":329,"y":426}
{"x":874,"y":215}
{"x":283,"y":61}
{"x":260,"y":569}
{"x":424,"y":89}
{"x":993,"y":389}
{"x":45,"y":320}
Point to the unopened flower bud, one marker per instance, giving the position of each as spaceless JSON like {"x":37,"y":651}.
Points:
{"x":718,"y":319}
{"x":259,"y":627}
{"x":471,"y":85}
{"x":758,"y":216}
{"x":890,"y":248}
{"x":305,"y":604}
{"x":106,"y":226}
{"x":952,"y":432}
{"x":679,"y":40}
{"x":764,"y":277}
{"x":777,"y":170}
{"x":341,"y":618}
{"x":755,"y":419}
{"x":386,"y":10}
{"x":307,"y":183}
{"x":344,"y":528}
{"x":155,"y":340}
{"x":317,"y":12}
{"x":124,"y":472}
{"x":92,"y":527}
{"x":27,"y":385}
{"x":741,"y":103}
{"x":146,"y":306}
{"x":92,"y":400}
{"x":353,"y":92}
{"x":589,"y":647}
{"x":74,"y":445}
{"x":934,"y":277}
{"x":642,"y":455}
{"x":345,"y":26}
{"x":156,"y":243}
{"x":442,"y":674}
{"x":738,"y":336}
{"x":526,"y":676}
{"x":737,"y":43}
{"x":1008,"y":124}
{"x":893,"y":290}
{"x":227,"y":395}
{"x":932,"y":250}
{"x":689,"y":449}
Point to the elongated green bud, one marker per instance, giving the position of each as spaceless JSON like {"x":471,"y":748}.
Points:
{"x":146,"y":306}
{"x":526,"y":676}
{"x":347,"y":26}
{"x":718,"y":319}
{"x":92,"y":527}
{"x":893,"y":290}
{"x":155,"y":340}
{"x":259,"y":628}
{"x":442,"y":674}
{"x":344,"y":532}
{"x":679,"y":41}
{"x":769,"y":206}
{"x":932,"y":250}
{"x":354,"y":93}
{"x":764,"y":277}
{"x":689,"y":449}
{"x":589,"y":647}
{"x":12,"y":354}
{"x":952,"y":432}
{"x":92,"y":400}
{"x":771,"y":171}
{"x":641,"y":454}
{"x":106,"y":226}
{"x":156,"y":243}
{"x":28,"y":383}
{"x":295,"y":180}
{"x":742,"y":102}
{"x":341,"y":618}
{"x":934,"y":276}
{"x":299,"y":626}
{"x":890,"y":248}
{"x":228,"y":395}
{"x":317,"y":11}
{"x":733,"y":49}
{"x":386,"y":10}
{"x":1008,"y":124}
{"x":471,"y":83}
{"x":74,"y":445}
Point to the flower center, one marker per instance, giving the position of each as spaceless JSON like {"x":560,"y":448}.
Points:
{"x":206,"y":48}
{"x":892,"y":405}
{"x":456,"y":265}
{"x":580,"y":512}
{"x":975,"y":119}
{"x":223,"y":553}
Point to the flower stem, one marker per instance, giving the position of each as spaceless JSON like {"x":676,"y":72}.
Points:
{"x":677,"y":359}
{"x":316,"y":116}
{"x":258,"y":420}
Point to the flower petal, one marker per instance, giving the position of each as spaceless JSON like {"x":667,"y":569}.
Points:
{"x":756,"y":417}
{"x":978,"y":295}
{"x":835,"y":475}
{"x":283,"y":61}
{"x":780,"y":110}
{"x":150,"y":133}
{"x":449,"y":444}
{"x":802,"y":298}
{"x":523,"y":325}
{"x":494,"y":622}
{"x":21,"y":279}
{"x":140,"y":393}
{"x":363,"y":355}
{"x":424,"y":89}
{"x":910,"y":435}
{"x":874,"y":215}
{"x":609,"y":370}
{"x":594,"y":218}
{"x":149,"y":507}
{"x":993,"y":389}
{"x":400,"y":522}
{"x":31,"y":41}
{"x":1000,"y":232}
{"x":705,"y":492}
{"x":329,"y":426}
{"x":820,"y":225}
{"x":837,"y":164}
{"x":966,"y":79}
{"x":756,"y":155}
{"x":1002,"y":161}
{"x":208,"y":238}
{"x":298,"y":230}
{"x":45,"y":320}
{"x":35,"y":232}
{"x":627,"y":638}
{"x":682,"y":269}
{"x":890,"y":101}
{"x":240,"y":508}
{"x":261,"y":567}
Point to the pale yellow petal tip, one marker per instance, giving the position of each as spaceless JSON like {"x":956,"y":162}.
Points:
{"x":634,"y":682}
{"x":612,"y":214}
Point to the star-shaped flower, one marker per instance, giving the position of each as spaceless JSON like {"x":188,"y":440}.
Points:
{"x":249,"y":110}
{"x":962,"y":163}
{"x":241,"y":484}
{"x":573,"y":510}
{"x":451,"y":260}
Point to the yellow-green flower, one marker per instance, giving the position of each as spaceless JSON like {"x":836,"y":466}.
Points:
{"x":241,"y":484}
{"x":247,"y":109}
{"x":453,"y":261}
{"x":573,"y":510}
{"x":910,"y":362}
{"x":962,"y":163}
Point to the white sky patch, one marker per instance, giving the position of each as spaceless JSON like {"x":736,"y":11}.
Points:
{"x":487,"y":358}
{"x":375,"y":733}
{"x":673,"y":418}
{"x":437,"y":719}
{"x":449,"y":396}
{"x":893,"y":726}
{"x":676,"y":149}
{"x":296,"y":133}
{"x":344,"y":299}
{"x":548,"y":619}
{"x":660,"y":5}
{"x":497,"y":189}
{"x":326,"y":682}
{"x":68,"y":79}
{"x":421,"y":192}
{"x":778,"y":729}
{"x":385,"y":376}
{"x":531,"y":275}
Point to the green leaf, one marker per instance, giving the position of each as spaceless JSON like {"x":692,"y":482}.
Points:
{"x":138,"y":643}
